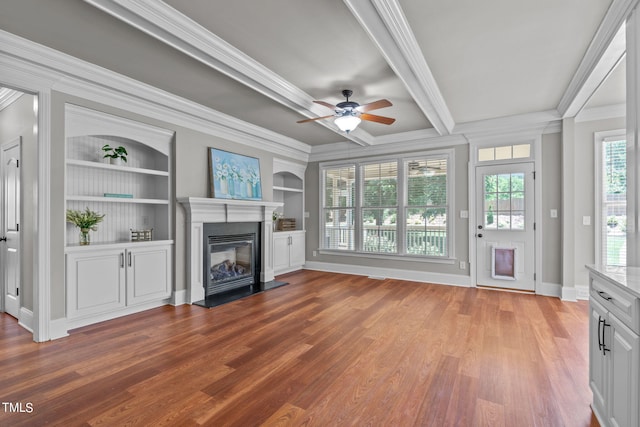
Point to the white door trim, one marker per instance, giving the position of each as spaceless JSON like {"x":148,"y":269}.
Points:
{"x":27,"y":77}
{"x":536,"y":158}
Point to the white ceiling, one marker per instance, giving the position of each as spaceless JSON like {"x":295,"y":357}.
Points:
{"x":442,"y":64}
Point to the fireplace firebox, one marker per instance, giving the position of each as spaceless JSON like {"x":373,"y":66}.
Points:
{"x":231,"y":258}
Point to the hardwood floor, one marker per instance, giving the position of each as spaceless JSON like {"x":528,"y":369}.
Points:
{"x":326,"y":350}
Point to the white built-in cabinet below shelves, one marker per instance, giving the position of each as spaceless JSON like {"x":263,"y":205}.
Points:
{"x":288,"y":188}
{"x":114,"y":276}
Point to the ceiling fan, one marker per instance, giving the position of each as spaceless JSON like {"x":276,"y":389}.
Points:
{"x":424,"y":168}
{"x":348,"y":114}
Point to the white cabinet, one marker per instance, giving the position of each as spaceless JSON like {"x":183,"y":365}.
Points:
{"x":95,"y":282}
{"x":614,"y":353}
{"x":148,"y":273}
{"x":288,"y":251}
{"x":106,"y":281}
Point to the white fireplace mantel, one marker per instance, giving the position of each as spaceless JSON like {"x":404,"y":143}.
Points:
{"x":201,"y":211}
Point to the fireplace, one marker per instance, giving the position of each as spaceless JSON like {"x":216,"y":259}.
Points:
{"x":231,"y":257}
{"x":202,"y":215}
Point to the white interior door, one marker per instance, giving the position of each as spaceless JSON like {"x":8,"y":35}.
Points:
{"x":9,"y":226}
{"x":505,"y":238}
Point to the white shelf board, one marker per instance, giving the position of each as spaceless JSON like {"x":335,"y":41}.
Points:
{"x":117,"y":200}
{"x":89,"y":164}
{"x":289,"y":189}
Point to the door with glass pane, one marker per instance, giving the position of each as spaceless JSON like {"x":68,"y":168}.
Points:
{"x":504,"y":230}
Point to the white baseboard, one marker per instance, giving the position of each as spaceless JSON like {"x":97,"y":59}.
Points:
{"x":549,"y":289}
{"x":179,"y":297}
{"x":569,"y":294}
{"x":58,"y":329}
{"x":25,"y":319}
{"x":391,"y":273}
{"x":582,"y":292}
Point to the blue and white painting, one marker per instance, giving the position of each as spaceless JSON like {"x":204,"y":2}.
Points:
{"x":234,"y":176}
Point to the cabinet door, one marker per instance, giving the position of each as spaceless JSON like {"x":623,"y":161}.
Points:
{"x":280,"y":251}
{"x":95,"y":282}
{"x":597,"y":360}
{"x":297,"y":249}
{"x":148,"y":274}
{"x":624,"y":371}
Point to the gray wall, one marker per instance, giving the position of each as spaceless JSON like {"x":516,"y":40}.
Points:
{"x":461,"y":226}
{"x":19,"y":120}
{"x":551,"y":177}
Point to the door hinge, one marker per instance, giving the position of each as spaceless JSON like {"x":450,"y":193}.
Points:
{"x":534,"y":225}
{"x":18,"y":163}
{"x":534,"y":277}
{"x":534,"y":174}
{"x":17,"y":227}
{"x":17,"y":292}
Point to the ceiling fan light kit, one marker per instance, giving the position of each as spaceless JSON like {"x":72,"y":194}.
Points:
{"x":347,"y":123}
{"x":349,"y":114}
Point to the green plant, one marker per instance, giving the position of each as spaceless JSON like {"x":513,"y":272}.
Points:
{"x":115,"y":152}
{"x":85,"y":220}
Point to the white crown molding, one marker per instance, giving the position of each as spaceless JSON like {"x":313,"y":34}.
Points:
{"x":387,"y":26}
{"x":8,"y":97}
{"x":173,"y":28}
{"x":79,"y":78}
{"x":604,"y":52}
{"x":602,"y":113}
{"x":532,"y":123}
{"x":345,"y":150}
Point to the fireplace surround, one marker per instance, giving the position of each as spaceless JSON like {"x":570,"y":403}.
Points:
{"x":202,"y":213}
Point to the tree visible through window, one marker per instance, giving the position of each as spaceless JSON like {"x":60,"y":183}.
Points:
{"x":614,"y":202}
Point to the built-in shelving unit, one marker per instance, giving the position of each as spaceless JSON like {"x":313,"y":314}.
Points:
{"x":288,"y":188}
{"x":135,"y":195}
{"x":113,"y":275}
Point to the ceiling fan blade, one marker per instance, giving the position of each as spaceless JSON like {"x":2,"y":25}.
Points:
{"x":374,"y":105}
{"x":326,"y":104}
{"x":377,"y":119}
{"x":316,"y":118}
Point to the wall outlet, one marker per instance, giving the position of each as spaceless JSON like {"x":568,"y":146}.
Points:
{"x":586,"y":220}
{"x":315,"y":253}
{"x":553,"y":213}
{"x":463,"y":265}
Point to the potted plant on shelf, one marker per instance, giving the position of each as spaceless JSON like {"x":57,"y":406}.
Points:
{"x":116,"y":155}
{"x":85,"y":220}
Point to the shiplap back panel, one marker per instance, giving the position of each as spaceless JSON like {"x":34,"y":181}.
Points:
{"x":120,"y":215}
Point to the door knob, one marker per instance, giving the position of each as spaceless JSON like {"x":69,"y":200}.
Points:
{"x":3,"y":239}
{"x":479,"y":235}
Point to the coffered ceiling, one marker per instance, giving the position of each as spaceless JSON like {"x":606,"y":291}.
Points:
{"x":445,"y":65}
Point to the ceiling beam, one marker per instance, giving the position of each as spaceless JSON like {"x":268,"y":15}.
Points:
{"x":605,"y":51}
{"x":387,"y":26}
{"x":173,"y":28}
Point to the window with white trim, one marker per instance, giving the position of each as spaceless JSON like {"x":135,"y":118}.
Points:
{"x":391,"y":206}
{"x":611,"y":200}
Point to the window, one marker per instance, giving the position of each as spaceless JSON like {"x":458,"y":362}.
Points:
{"x":504,"y":201}
{"x":380,"y":207}
{"x":339,"y":207}
{"x":612,"y":153}
{"x":426,"y":211}
{"x":391,"y":206}
{"x":505,"y":152}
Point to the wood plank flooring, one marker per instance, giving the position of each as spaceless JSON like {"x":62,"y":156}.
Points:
{"x":326,"y":350}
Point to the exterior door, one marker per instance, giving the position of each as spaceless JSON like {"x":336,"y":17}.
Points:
{"x":505,"y":238}
{"x":9,"y":226}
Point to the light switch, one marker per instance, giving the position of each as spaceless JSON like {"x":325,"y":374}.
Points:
{"x":554,"y":213}
{"x":586,"y":220}
{"x":464,"y":214}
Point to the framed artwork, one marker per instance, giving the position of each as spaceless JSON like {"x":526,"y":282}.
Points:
{"x":234,"y":176}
